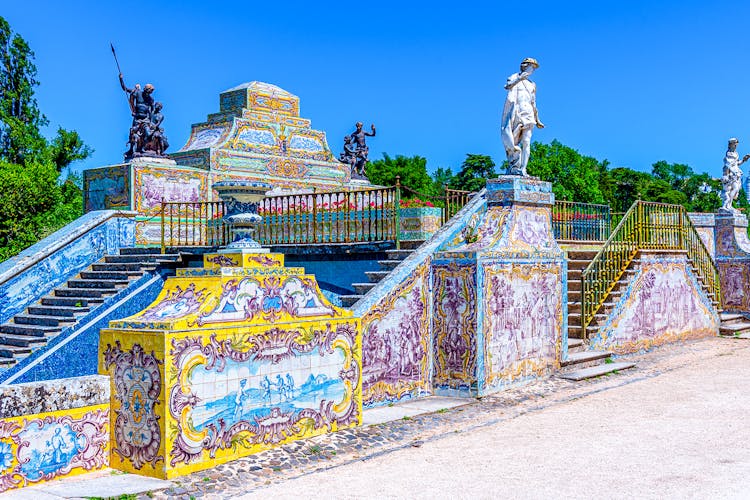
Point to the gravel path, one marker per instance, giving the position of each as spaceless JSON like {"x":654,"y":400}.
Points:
{"x":672,"y":427}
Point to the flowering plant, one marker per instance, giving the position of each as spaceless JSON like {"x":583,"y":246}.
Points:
{"x":415,"y":203}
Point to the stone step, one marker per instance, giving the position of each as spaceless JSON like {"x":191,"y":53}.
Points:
{"x":574,"y":285}
{"x":734,"y":328}
{"x":123,"y":267}
{"x":107,"y":275}
{"x":363,"y":288}
{"x":595,"y":371}
{"x":32,"y":330}
{"x":376,"y":276}
{"x":141,"y":251}
{"x":585,"y":255}
{"x":14,"y":351}
{"x":50,"y":300}
{"x":575,"y":345}
{"x":89,"y":294}
{"x":574,"y":274}
{"x":129,"y":259}
{"x":410,"y":244}
{"x":388,"y":265}
{"x":40,"y":320}
{"x":729,"y":318}
{"x":7,"y":362}
{"x":64,"y":311}
{"x":398,"y":254}
{"x":96,"y":284}
{"x":21,"y":340}
{"x":349,"y":300}
{"x":578,"y":264}
{"x":583,"y":358}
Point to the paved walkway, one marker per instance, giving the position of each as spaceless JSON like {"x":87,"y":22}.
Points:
{"x":672,"y":427}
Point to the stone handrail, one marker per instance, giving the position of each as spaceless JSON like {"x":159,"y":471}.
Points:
{"x":57,"y":240}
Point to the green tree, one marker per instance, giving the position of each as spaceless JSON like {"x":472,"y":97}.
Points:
{"x":33,"y":202}
{"x":411,"y":169}
{"x":475,"y":170}
{"x":441,"y":178}
{"x":574,"y":177}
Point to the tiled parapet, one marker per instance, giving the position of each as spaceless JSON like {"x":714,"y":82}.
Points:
{"x":662,"y":302}
{"x":733,"y":261}
{"x":53,"y":429}
{"x":499,"y":289}
{"x":705,"y":225}
{"x":231,"y":359}
{"x":419,"y":223}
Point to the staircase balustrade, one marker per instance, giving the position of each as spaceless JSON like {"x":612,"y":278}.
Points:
{"x":645,"y":226}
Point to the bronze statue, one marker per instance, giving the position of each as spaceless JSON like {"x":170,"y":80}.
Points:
{"x":356,"y":152}
{"x":146,"y":136}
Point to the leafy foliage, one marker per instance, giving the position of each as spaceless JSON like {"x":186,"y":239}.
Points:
{"x":475,"y":170}
{"x":33,"y":203}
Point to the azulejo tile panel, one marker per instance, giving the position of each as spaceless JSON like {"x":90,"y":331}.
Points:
{"x":522,"y":322}
{"x":41,"y":447}
{"x":228,"y":361}
{"x":664,"y":302}
{"x":397,"y":346}
{"x":242,"y":392}
{"x":454,"y":325}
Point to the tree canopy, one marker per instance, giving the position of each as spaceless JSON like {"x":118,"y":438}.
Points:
{"x":33,"y":201}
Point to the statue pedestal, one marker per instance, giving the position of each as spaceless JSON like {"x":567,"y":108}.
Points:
{"x":499,"y":292}
{"x":733,"y":261}
{"x":231,"y":359}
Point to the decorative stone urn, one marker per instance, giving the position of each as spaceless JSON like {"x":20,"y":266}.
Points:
{"x":242,"y":199}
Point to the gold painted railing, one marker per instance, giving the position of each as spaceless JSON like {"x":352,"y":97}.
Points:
{"x":455,"y":199}
{"x":193,"y":224}
{"x":361,"y":216}
{"x":645,"y":226}
{"x":580,"y":221}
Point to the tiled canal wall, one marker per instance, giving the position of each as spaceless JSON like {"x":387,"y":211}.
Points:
{"x":54,"y":429}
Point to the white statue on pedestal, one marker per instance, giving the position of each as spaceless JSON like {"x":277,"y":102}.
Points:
{"x":520,"y":117}
{"x":731,"y":180}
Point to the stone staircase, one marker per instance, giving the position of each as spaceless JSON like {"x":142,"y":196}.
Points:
{"x":734,"y":325}
{"x":583,"y":363}
{"x":395,"y":257}
{"x":64,"y":306}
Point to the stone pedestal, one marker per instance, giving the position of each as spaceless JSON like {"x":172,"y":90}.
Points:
{"x":233,"y":358}
{"x":733,"y":260}
{"x":500,"y":294}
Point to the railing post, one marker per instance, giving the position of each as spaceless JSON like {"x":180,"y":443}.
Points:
{"x":397,"y":210}
{"x":163,"y":245}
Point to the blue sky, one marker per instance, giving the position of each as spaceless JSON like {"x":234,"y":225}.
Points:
{"x":633,"y":82}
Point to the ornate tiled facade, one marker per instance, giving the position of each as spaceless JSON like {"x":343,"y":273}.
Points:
{"x":65,"y":434}
{"x":239,"y":356}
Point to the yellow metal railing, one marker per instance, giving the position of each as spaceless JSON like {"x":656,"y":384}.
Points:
{"x":193,"y":224}
{"x":361,"y":216}
{"x":580,"y":221}
{"x":455,"y":199}
{"x":645,"y":226}
{"x":367,"y":215}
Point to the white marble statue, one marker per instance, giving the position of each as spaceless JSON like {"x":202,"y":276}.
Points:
{"x":520,"y":117}
{"x":731,"y":180}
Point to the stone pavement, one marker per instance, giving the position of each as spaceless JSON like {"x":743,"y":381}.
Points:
{"x":416,"y":454}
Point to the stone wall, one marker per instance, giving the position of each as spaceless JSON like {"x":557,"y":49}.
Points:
{"x":53,"y":429}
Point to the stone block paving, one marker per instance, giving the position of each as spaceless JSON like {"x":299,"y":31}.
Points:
{"x":329,"y":451}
